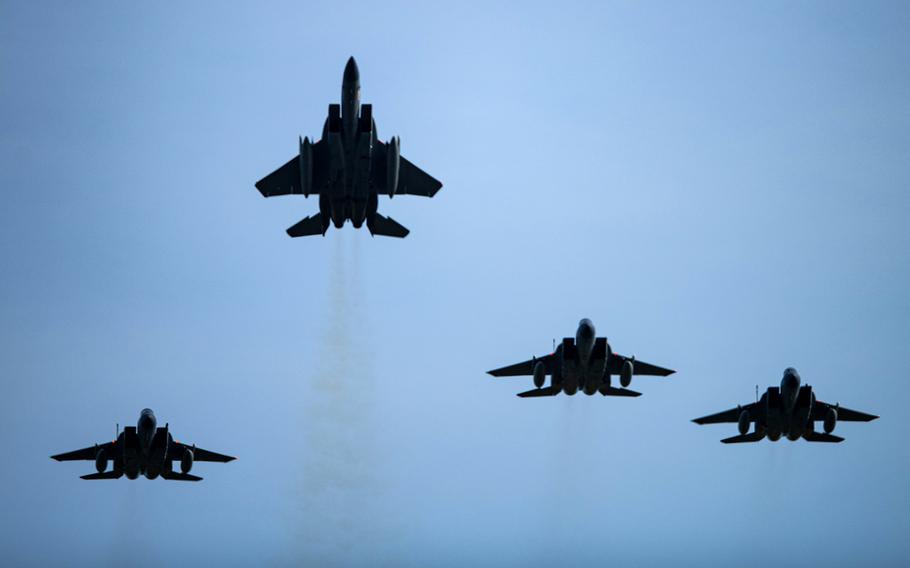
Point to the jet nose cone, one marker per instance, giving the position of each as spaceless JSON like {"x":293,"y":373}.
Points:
{"x":586,"y":328}
{"x":790,"y":374}
{"x":351,"y":73}
{"x":147,"y":422}
{"x":791,"y":380}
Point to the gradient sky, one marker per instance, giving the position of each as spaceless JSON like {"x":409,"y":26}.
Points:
{"x":722,"y":187}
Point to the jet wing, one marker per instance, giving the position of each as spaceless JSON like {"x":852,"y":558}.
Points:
{"x":525,"y":368}
{"x":411,"y":179}
{"x":820,"y":409}
{"x":286,"y":179}
{"x":83,"y":454}
{"x":731,"y":415}
{"x":638,"y":367}
{"x":176,"y":449}
{"x":414,"y":181}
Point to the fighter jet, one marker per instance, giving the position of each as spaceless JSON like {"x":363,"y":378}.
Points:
{"x":348,"y":169}
{"x":585,"y":362}
{"x":789,"y":410}
{"x":144,"y":449}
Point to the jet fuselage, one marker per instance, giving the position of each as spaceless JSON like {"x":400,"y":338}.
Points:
{"x":787,"y":409}
{"x":141,"y":450}
{"x":579,"y":370}
{"x":350,"y":138}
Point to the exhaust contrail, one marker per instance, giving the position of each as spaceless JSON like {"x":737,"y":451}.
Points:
{"x":338,"y":484}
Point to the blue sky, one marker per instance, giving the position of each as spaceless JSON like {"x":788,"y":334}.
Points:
{"x":722,"y":188}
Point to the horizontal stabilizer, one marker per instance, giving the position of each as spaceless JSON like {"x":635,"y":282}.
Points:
{"x":175,"y":476}
{"x":309,"y":226}
{"x":104,"y":475}
{"x":386,"y":227}
{"x":751,"y":437}
{"x":822,"y":437}
{"x":613,"y":391}
{"x":548,"y":391}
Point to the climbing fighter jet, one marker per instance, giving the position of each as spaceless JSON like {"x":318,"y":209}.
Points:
{"x":789,"y":410}
{"x":348,"y":169}
{"x":144,"y":449}
{"x":585,"y":362}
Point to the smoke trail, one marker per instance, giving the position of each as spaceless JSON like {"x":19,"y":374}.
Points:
{"x":563,"y":449}
{"x":338,"y":482}
{"x":130,"y":535}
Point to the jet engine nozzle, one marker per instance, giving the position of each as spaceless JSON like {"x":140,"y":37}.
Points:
{"x":393,"y":159}
{"x":625,"y":375}
{"x":540,"y":374}
{"x":186,"y":461}
{"x":830,"y":420}
{"x":101,"y":461}
{"x":745,"y":420}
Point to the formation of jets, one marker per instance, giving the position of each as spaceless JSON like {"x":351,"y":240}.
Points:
{"x":349,"y":168}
